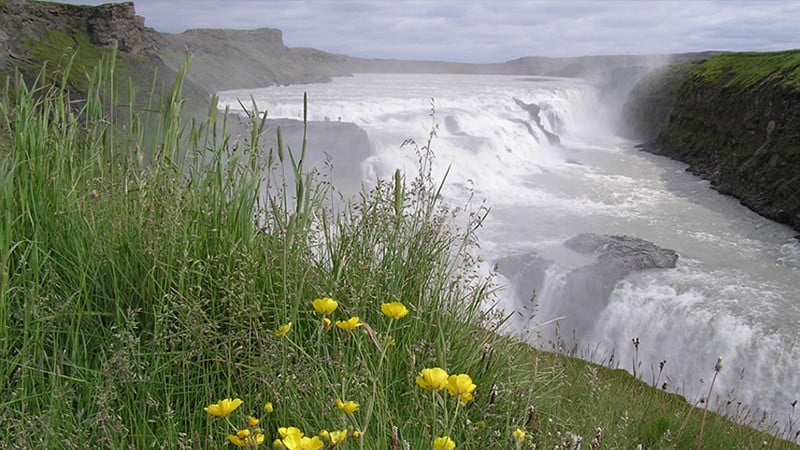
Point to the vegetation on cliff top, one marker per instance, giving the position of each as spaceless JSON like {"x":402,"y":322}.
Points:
{"x":746,"y":69}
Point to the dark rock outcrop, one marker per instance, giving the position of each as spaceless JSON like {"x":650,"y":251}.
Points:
{"x":624,"y":253}
{"x":107,"y":24}
{"x":118,"y":23}
{"x":533,"y":111}
{"x":587,"y":289}
{"x":580,"y":295}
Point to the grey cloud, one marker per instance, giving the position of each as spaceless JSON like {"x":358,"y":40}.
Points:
{"x":495,"y":30}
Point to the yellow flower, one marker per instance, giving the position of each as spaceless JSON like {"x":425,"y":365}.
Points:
{"x":300,"y":442}
{"x":519,"y":435}
{"x":355,"y":434}
{"x":395,"y":310}
{"x":326,"y":323}
{"x":461,"y":386}
{"x":243,"y":437}
{"x":314,"y":443}
{"x":293,"y":441}
{"x":223,"y":408}
{"x":349,"y":324}
{"x":434,"y":379}
{"x":325,"y":305}
{"x":337,"y":437}
{"x":282,"y":330}
{"x":443,"y":443}
{"x":268,"y":408}
{"x":289,"y":431}
{"x":252,"y":421}
{"x":348,"y":407}
{"x":237,"y":441}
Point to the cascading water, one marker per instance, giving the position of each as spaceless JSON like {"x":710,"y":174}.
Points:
{"x":541,"y":152}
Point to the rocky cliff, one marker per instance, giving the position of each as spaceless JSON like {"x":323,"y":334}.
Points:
{"x":22,"y":21}
{"x":239,"y":59}
{"x":735,"y":119}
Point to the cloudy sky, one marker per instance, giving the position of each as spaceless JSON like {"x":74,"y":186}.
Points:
{"x":494,"y":30}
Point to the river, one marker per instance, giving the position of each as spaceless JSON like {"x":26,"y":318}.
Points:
{"x":734,"y":292}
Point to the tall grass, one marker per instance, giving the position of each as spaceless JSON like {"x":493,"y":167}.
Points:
{"x":146,"y":263}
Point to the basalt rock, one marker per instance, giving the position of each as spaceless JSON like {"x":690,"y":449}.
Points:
{"x":582,"y":293}
{"x":106,"y":25}
{"x":735,"y":120}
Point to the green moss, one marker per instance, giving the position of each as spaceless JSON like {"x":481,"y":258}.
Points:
{"x":743,"y":70}
{"x":56,"y":48}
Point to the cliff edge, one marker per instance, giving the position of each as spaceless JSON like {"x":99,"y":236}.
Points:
{"x":735,"y":119}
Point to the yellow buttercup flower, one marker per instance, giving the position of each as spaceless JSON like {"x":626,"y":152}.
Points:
{"x":282,"y":330}
{"x":289,"y":431}
{"x":337,"y":437}
{"x":325,"y":305}
{"x":236,"y":440}
{"x":355,"y":434}
{"x":443,"y":443}
{"x":223,"y":408}
{"x":348,"y":407}
{"x":326,"y":323}
{"x":519,"y":435}
{"x":252,"y":421}
{"x":293,"y":439}
{"x":244,"y":438}
{"x":300,"y":442}
{"x":434,"y":379}
{"x":349,"y":324}
{"x":394,"y":310}
{"x":268,"y":408}
{"x":461,"y":386}
{"x":314,"y":443}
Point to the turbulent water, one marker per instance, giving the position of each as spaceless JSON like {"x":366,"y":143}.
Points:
{"x":543,"y":155}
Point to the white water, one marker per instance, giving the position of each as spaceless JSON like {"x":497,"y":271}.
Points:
{"x":735,"y":292}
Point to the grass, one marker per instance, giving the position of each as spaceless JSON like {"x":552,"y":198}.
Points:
{"x":149,"y":267}
{"x":747,"y":69}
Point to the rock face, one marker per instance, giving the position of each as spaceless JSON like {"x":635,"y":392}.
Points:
{"x":241,"y":59}
{"x":735,"y":119}
{"x":624,"y":253}
{"x":587,"y":289}
{"x":118,"y":23}
{"x":576,"y":297}
{"x":533,"y":111}
{"x":105,"y":24}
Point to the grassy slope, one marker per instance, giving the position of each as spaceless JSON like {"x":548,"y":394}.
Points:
{"x":748,"y":69}
{"x":130,"y":297}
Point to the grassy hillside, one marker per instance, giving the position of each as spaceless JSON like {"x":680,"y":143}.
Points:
{"x":748,"y":69}
{"x":150,"y":268}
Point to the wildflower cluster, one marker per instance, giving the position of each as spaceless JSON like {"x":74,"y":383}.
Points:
{"x":248,"y":437}
{"x":290,"y":438}
{"x":436,"y":379}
